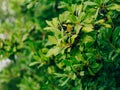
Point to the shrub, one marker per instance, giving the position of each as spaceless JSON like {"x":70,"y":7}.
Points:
{"x":77,"y":50}
{"x":83,"y":49}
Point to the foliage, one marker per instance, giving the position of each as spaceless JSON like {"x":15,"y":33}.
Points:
{"x":78,"y":49}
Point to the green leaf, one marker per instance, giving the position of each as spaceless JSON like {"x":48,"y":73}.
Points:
{"x":65,"y":82}
{"x":73,"y":38}
{"x":106,"y":1}
{"x":52,"y":39}
{"x":74,"y":76}
{"x":58,"y":75}
{"x":51,"y":69}
{"x":49,"y":23}
{"x":87,"y":28}
{"x":60,"y":65}
{"x":79,"y":9}
{"x":34,"y":63}
{"x":65,"y":15}
{"x":78,"y":28}
{"x":116,"y":34}
{"x":87,"y":39}
{"x":72,"y":18}
{"x":91,"y":72}
{"x":95,"y":70}
{"x":94,"y":65}
{"x":53,"y":51}
{"x":82,"y":73}
{"x":29,"y":6}
{"x":67,"y":69}
{"x":90,"y":3}
{"x":96,"y":14}
{"x":82,"y":16}
{"x":55,"y":22}
{"x":67,"y":62}
{"x":114,"y":7}
{"x":24,"y":37}
{"x":101,"y":21}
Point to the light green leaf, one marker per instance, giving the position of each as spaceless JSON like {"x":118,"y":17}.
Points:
{"x":87,"y":28}
{"x":74,"y":76}
{"x":58,"y":75}
{"x":79,"y":10}
{"x":114,"y":7}
{"x":55,"y":22}
{"x":52,"y":39}
{"x":49,"y":23}
{"x":29,"y":6}
{"x":24,"y":37}
{"x":82,"y":73}
{"x":34,"y":63}
{"x":87,"y":39}
{"x":51,"y":69}
{"x":73,"y":38}
{"x":67,"y":69}
{"x":77,"y":28}
{"x":53,"y":51}
{"x":65,"y":82}
{"x":65,"y":15}
{"x":72,"y":18}
{"x":90,"y":3}
{"x":60,"y":65}
{"x":82,"y":16}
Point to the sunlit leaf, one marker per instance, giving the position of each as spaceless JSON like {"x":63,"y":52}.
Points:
{"x":52,"y":39}
{"x":87,"y":28}
{"x":114,"y":7}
